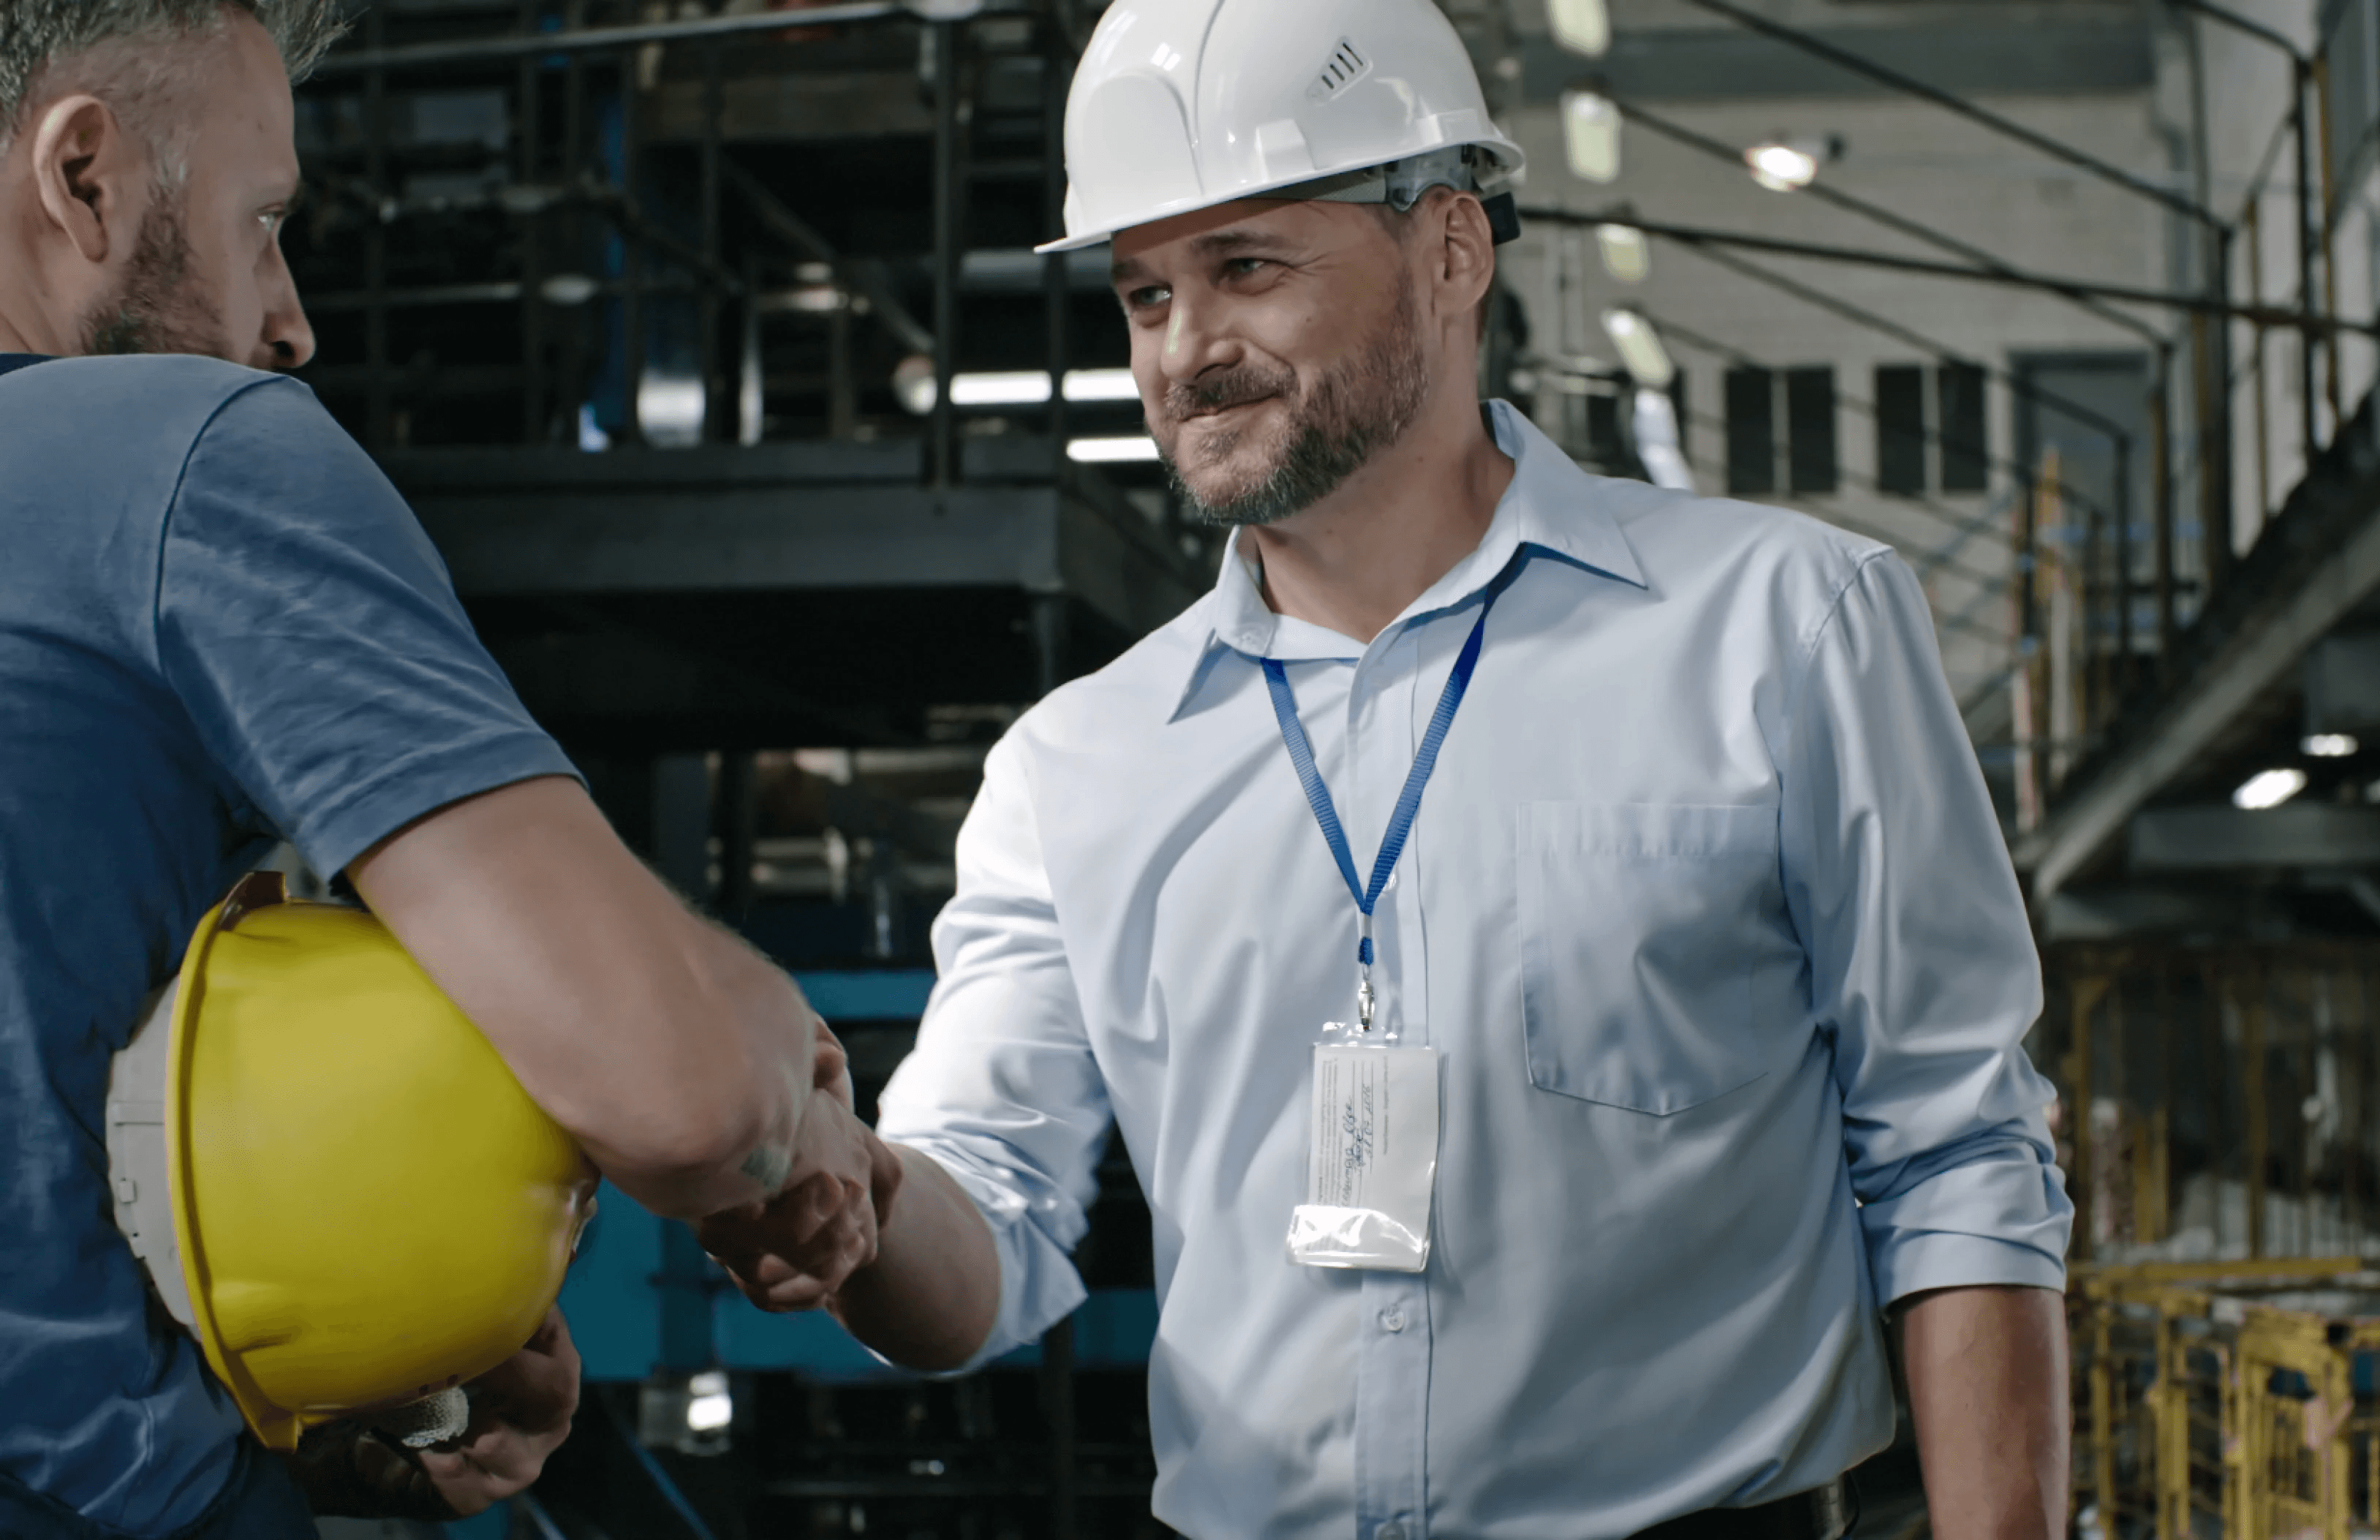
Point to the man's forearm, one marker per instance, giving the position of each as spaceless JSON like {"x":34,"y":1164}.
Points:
{"x":1987,"y":1369}
{"x":679,"y":1058}
{"x":930,"y":1299}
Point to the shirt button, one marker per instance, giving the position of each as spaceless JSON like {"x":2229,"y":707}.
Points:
{"x":1390,"y":1531}
{"x":1392,"y":1319}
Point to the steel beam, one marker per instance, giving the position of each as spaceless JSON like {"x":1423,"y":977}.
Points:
{"x":2118,"y":914}
{"x":2081,"y":290}
{"x":2314,"y":834}
{"x":740,"y":538}
{"x":2319,"y":559}
{"x":2046,"y":56}
{"x":789,"y":517}
{"x":516,"y":46}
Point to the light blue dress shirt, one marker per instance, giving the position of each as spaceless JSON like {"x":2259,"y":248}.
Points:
{"x":1707,"y":913}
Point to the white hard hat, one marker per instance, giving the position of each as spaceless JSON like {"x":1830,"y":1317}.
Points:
{"x":1182,"y":104}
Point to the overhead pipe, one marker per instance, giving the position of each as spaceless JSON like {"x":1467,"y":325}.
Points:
{"x":513,"y":45}
{"x":2262,"y":315}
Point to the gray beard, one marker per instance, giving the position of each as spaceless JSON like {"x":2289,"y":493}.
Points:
{"x":156,"y":307}
{"x":1355,"y":412}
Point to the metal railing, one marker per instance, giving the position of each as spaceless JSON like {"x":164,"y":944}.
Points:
{"x":2225,"y":1400}
{"x":571,"y":193}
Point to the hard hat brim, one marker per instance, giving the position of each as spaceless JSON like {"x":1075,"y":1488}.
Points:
{"x":273,"y":1425}
{"x":1508,"y":155}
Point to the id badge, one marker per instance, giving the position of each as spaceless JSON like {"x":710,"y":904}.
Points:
{"x":1371,"y":1160}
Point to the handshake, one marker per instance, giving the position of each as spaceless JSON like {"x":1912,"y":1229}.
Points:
{"x":796,"y":1250}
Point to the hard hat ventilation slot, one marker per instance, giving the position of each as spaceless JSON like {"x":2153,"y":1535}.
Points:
{"x":1346,"y":65}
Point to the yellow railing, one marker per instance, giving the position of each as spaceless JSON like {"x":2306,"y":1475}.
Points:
{"x":2219,"y":1399}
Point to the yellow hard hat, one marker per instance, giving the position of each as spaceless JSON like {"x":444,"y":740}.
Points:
{"x":367,"y":1208}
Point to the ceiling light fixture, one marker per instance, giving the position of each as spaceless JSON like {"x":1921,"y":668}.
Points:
{"x":1129,"y":449}
{"x":1016,"y":387}
{"x":1591,"y":135}
{"x":810,"y":299}
{"x":1640,"y":347}
{"x":1626,"y":254}
{"x":568,"y":288}
{"x":1102,"y":384}
{"x":1023,"y":387}
{"x":2328,"y":745}
{"x":913,"y":383}
{"x":1580,"y":25}
{"x":1781,"y":167}
{"x":2269,"y":788}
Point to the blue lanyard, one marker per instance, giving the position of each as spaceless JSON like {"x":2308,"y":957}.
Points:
{"x":1325,"y":813}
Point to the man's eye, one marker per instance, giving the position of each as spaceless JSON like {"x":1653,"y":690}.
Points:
{"x":1155,"y":294}
{"x":1242,"y":267}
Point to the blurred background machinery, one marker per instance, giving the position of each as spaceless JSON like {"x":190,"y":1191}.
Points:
{"x":781,"y":476}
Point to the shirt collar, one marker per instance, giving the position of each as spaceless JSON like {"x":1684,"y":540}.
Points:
{"x":13,"y":361}
{"x":1551,"y":506}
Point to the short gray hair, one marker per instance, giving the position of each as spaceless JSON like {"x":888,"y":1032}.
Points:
{"x":123,"y":52}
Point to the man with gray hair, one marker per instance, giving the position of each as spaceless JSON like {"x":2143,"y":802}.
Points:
{"x":219,"y":627}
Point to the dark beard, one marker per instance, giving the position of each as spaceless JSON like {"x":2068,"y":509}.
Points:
{"x":1352,"y":413}
{"x":156,"y":309}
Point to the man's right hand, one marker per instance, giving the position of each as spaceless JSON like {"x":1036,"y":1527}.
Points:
{"x":794,"y":1251}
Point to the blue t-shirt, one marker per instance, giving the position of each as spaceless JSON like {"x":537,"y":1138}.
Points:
{"x":219,"y":625}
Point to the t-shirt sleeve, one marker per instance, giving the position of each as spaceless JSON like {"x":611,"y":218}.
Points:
{"x":313,"y":636}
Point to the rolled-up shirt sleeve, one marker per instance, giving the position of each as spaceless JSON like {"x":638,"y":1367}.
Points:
{"x":1002,"y":1090}
{"x":1923,"y":972}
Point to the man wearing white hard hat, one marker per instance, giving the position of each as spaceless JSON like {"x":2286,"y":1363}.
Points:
{"x":1542,"y":940}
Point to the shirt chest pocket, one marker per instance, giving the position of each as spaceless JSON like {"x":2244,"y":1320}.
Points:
{"x":1639,"y":926}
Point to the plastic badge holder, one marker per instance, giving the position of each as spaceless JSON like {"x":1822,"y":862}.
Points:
{"x":1372,"y":1158}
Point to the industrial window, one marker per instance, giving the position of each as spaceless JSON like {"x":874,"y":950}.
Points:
{"x":1966,"y":458}
{"x":1948,"y":450}
{"x":1751,"y":432}
{"x":1901,"y":428}
{"x":2350,"y":82}
{"x":1754,"y":447}
{"x":1810,"y":429}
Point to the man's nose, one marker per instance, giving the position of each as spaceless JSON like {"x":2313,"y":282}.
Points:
{"x":287,"y":340}
{"x":1194,"y":342}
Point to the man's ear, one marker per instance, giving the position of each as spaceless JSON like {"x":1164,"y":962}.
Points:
{"x":93,"y":177}
{"x":1466,"y":254}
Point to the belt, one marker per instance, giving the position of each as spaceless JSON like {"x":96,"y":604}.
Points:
{"x":1822,"y":1513}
